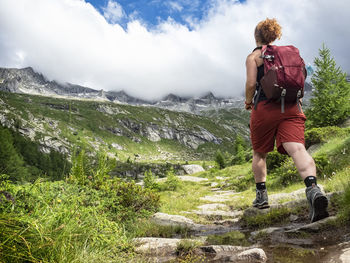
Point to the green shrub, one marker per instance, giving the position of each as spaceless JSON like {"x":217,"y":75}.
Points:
{"x":220,"y":160}
{"x":186,"y":247}
{"x":172,"y":182}
{"x":242,"y":182}
{"x":101,"y":172}
{"x":275,"y":160}
{"x":323,"y":164}
{"x":284,"y":175}
{"x":322,"y":135}
{"x":150,"y":181}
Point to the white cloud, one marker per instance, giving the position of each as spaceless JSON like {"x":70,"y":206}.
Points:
{"x":174,"y":6}
{"x":69,"y":40}
{"x":113,"y":12}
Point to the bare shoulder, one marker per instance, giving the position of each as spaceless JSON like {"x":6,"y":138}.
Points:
{"x":251,"y":58}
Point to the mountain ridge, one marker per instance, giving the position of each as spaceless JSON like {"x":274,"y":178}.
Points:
{"x":28,"y":81}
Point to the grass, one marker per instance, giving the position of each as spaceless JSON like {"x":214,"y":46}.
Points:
{"x":147,"y":228}
{"x":186,"y":198}
{"x":272,"y":217}
{"x":234,"y":238}
{"x":67,"y":222}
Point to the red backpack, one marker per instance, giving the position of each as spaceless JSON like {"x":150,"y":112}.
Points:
{"x":284,"y":76}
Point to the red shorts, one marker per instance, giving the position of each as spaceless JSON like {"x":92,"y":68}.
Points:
{"x":268,"y":123}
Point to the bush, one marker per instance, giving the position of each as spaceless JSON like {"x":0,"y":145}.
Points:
{"x":150,"y":181}
{"x":172,"y":182}
{"x":62,"y":222}
{"x":275,"y":160}
{"x":323,"y":164}
{"x":220,"y":160}
{"x":284,"y":175}
{"x":322,"y":135}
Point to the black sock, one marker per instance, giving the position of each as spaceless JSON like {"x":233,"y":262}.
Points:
{"x":261,"y":186}
{"x":310,"y":180}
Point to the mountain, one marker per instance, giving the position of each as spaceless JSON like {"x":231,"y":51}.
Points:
{"x":28,"y":81}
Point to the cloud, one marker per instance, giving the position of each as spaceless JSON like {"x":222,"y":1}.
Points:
{"x":174,"y":6}
{"x":113,"y":12}
{"x":69,"y":40}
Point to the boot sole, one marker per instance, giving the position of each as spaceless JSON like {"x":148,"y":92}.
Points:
{"x":262,"y":206}
{"x":319,"y":208}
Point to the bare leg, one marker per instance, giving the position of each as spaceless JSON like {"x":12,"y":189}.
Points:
{"x":302,"y":159}
{"x":259,"y":167}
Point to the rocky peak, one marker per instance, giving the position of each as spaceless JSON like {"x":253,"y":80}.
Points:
{"x":208,"y":96}
{"x":173,"y":98}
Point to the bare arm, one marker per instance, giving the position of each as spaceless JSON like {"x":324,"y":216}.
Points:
{"x":250,"y":81}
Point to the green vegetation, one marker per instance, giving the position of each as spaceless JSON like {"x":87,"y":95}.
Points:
{"x":81,"y":220}
{"x":186,"y":246}
{"x":23,"y":161}
{"x":117,"y":128}
{"x":272,"y":217}
{"x":143,"y":227}
{"x":81,"y":211}
{"x":219,"y":159}
{"x":330,"y":103}
{"x":234,"y":238}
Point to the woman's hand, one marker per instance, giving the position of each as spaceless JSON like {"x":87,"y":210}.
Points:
{"x":248,"y":106}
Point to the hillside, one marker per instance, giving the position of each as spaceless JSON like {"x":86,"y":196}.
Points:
{"x":121,"y":130}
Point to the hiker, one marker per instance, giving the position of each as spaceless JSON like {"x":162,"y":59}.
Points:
{"x":269,"y":122}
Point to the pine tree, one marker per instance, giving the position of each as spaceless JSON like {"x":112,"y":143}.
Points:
{"x":330,"y":104}
{"x":239,"y":151}
{"x":220,"y":160}
{"x":11,"y":163}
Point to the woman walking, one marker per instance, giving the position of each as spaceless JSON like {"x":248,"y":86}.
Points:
{"x":269,"y":124}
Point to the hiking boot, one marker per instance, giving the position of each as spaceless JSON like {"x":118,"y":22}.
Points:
{"x":261,"y":201}
{"x":318,"y":203}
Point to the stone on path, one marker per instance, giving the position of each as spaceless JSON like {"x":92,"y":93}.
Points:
{"x":192,"y":168}
{"x":218,"y":213}
{"x":313,"y":227}
{"x":235,"y":253}
{"x":172,"y":220}
{"x":156,"y":246}
{"x":345,"y":256}
{"x":254,"y":255}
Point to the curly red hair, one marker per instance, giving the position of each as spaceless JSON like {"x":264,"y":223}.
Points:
{"x":268,"y":31}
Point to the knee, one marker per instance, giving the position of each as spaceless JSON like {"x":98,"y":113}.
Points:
{"x":294,"y":148}
{"x":259,"y":155}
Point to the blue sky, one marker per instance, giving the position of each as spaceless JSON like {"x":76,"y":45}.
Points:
{"x":151,"y":12}
{"x":150,"y":48}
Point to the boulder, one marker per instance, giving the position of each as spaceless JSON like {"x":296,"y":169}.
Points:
{"x":254,"y":255}
{"x":156,"y":246}
{"x":313,"y":227}
{"x":192,"y":168}
{"x":226,"y":253}
{"x":172,"y":220}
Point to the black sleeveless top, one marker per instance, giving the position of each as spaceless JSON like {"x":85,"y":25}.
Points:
{"x":258,"y":78}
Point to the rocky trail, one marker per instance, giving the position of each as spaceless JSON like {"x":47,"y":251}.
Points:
{"x":290,"y":238}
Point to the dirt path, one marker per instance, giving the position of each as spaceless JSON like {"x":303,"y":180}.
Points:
{"x":281,"y":233}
